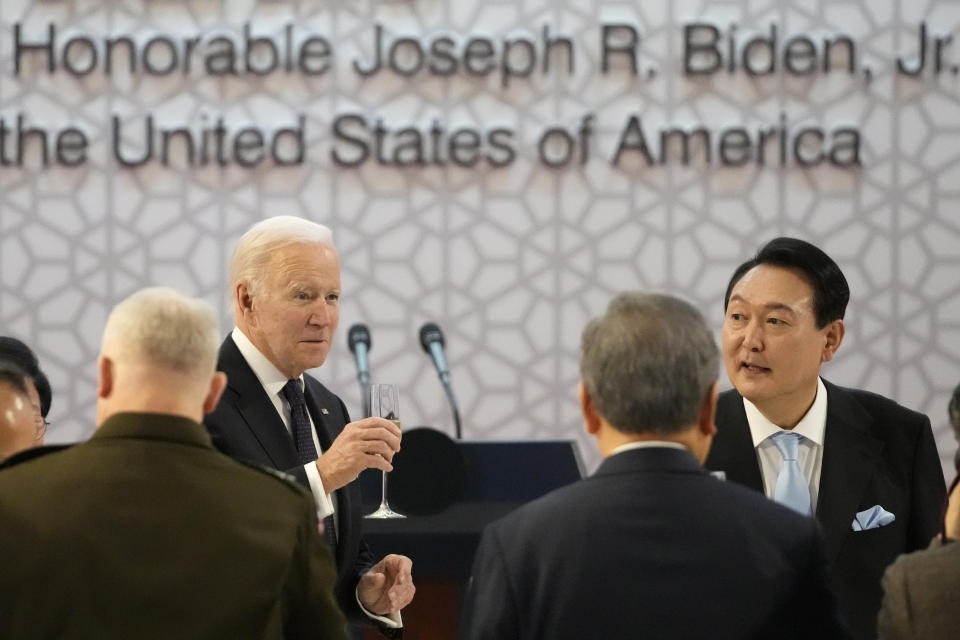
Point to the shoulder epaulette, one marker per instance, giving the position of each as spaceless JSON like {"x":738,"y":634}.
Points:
{"x":280,"y":475}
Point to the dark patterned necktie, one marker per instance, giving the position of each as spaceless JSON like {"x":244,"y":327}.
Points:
{"x":303,"y":441}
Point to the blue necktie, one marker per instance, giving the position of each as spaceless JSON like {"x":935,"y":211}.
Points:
{"x":303,"y":441}
{"x":791,"y":488}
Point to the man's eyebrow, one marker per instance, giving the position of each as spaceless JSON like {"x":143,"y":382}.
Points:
{"x":779,"y":306}
{"x":770,"y":306}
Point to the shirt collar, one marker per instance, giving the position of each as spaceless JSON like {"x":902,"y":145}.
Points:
{"x":812,"y":426}
{"x":269,"y":376}
{"x":645,"y":444}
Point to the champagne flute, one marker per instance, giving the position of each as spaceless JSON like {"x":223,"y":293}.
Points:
{"x":385,"y":403}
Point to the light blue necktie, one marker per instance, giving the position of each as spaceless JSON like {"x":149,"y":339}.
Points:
{"x":791,"y":488}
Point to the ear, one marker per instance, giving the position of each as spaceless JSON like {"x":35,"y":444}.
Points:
{"x":591,"y":418}
{"x":105,"y":367}
{"x":833,"y":333}
{"x":700,"y":436}
{"x":243,"y":298}
{"x":706,"y":419}
{"x":217,"y":384}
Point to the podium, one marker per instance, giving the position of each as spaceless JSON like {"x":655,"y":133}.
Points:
{"x":450,"y":490}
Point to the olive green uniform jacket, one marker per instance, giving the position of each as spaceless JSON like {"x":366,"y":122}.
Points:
{"x":146,"y":531}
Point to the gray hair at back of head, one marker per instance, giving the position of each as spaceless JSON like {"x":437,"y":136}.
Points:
{"x":165,"y":329}
{"x":263,"y":240}
{"x":648,"y":363}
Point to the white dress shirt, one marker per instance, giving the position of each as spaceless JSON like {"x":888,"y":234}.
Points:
{"x":646,"y":444}
{"x":812,"y":427}
{"x":273,"y":382}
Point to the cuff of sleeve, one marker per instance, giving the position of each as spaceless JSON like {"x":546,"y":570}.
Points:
{"x":324,"y":503}
{"x":391,"y":620}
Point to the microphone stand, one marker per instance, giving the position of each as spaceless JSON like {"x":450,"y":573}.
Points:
{"x":364,"y":379}
{"x":431,"y":339}
{"x":358,"y":339}
{"x":453,"y":406}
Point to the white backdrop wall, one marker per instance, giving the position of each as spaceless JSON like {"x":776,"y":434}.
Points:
{"x":510,"y":260}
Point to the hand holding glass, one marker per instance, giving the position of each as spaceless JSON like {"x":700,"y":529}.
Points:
{"x":385,"y":403}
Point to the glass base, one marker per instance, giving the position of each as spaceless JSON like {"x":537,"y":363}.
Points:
{"x":384,"y":513}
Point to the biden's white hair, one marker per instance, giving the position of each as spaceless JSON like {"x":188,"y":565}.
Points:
{"x":261,"y":243}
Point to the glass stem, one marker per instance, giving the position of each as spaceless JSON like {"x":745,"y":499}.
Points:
{"x":383,"y":499}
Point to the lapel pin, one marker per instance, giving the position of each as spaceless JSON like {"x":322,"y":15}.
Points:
{"x":324,"y":411}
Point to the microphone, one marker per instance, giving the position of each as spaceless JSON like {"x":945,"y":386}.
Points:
{"x":358,"y":338}
{"x":431,"y":339}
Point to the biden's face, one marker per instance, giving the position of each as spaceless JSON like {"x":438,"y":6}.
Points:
{"x":294,"y":316}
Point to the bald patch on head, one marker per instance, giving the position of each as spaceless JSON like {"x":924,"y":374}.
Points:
{"x":18,"y":421}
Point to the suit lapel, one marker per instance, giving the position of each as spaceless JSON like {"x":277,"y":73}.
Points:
{"x":732,"y":450}
{"x":320,"y":416}
{"x":850,"y":455}
{"x":256,"y":408}
{"x":348,"y":516}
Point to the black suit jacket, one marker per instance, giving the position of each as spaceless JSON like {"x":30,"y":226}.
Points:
{"x":651,"y":546}
{"x":246,"y":426}
{"x":875,"y":452}
{"x":145,"y":531}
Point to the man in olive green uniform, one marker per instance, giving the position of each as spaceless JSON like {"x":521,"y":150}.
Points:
{"x":145,"y":531}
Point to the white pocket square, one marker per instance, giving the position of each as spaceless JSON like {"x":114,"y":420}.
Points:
{"x":875,"y":516}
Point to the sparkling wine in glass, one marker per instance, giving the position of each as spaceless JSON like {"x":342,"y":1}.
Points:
{"x":385,"y":403}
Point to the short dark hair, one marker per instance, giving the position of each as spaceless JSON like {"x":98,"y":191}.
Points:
{"x":831,"y":293}
{"x":13,"y":376}
{"x":16,"y":352}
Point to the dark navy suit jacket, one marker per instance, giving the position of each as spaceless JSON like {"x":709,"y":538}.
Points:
{"x":651,"y":546}
{"x":875,"y":452}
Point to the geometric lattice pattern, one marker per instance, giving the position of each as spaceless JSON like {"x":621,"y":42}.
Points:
{"x":511,"y":261}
